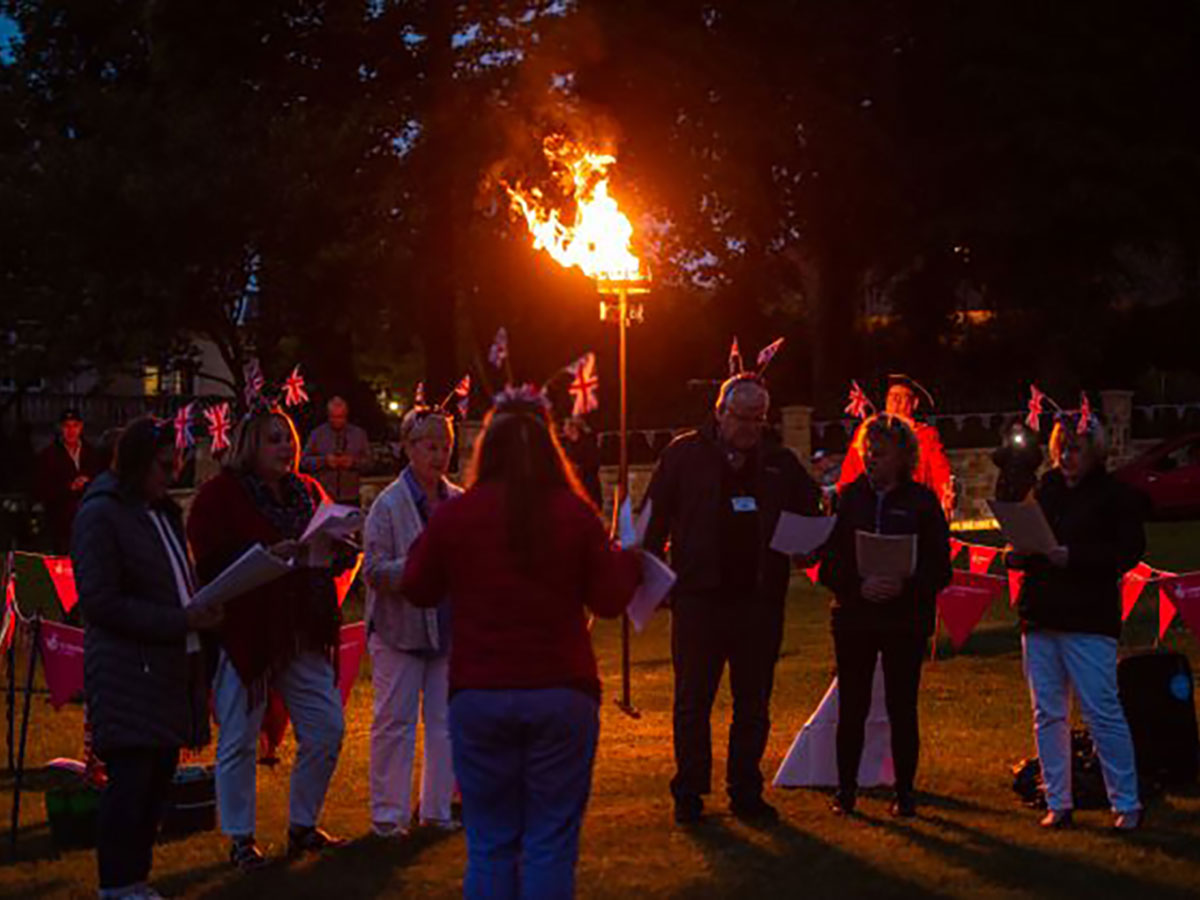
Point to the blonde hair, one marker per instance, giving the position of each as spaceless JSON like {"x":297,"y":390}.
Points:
{"x":248,"y":439}
{"x":1093,"y":441}
{"x":894,"y":430}
{"x":424,"y":421}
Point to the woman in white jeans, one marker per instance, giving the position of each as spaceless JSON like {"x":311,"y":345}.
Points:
{"x":409,"y":646}
{"x":1070,"y":609}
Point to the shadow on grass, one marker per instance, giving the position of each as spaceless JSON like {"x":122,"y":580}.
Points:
{"x":776,"y":860}
{"x":1001,"y":863}
{"x":365,"y":867}
{"x":34,"y":844}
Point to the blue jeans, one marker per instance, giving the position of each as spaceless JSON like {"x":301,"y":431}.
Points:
{"x":523,"y":759}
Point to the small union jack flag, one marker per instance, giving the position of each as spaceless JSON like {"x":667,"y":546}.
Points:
{"x":419,"y":394}
{"x":585,"y":385}
{"x":462,"y":391}
{"x":218,"y":426}
{"x":735,"y":358}
{"x":859,"y":402}
{"x":254,"y":380}
{"x":183,"y":428}
{"x":767,"y":353}
{"x":1085,"y":414}
{"x":498,"y":354}
{"x":293,"y":389}
{"x":1036,"y":400}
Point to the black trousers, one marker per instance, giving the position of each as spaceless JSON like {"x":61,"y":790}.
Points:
{"x":131,"y":809}
{"x":706,"y":634}
{"x":856,"y":652}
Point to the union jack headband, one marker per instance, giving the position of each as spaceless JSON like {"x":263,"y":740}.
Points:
{"x":526,"y":398}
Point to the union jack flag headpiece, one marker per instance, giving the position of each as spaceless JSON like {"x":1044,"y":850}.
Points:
{"x":859,"y":405}
{"x":735,"y":358}
{"x":293,"y":389}
{"x":585,"y":385}
{"x":1085,"y":415}
{"x":767,"y":353}
{"x":526,"y":398}
{"x":462,"y":391}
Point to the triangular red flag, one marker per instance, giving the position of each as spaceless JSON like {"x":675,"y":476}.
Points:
{"x":812,"y":573}
{"x":63,"y":575}
{"x":1184,"y":592}
{"x":1132,"y":585}
{"x":961,"y":607}
{"x":956,"y":547}
{"x":981,"y":557}
{"x":1166,"y":609}
{"x":341,"y":583}
{"x":1015,"y":579}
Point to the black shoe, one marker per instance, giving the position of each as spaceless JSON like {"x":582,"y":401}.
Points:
{"x":245,"y":855}
{"x":754,"y":810}
{"x":904,"y":806}
{"x":311,"y":840}
{"x":842,"y":803}
{"x":689,"y":809}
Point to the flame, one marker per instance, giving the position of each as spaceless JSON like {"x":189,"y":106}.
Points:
{"x":598,"y":240}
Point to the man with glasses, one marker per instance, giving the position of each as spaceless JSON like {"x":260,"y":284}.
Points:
{"x":717,"y":494}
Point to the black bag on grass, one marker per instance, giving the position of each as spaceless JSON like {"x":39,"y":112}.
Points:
{"x":1087,"y":780}
{"x":1157,"y":692}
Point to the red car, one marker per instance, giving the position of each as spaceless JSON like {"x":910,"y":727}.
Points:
{"x":1168,"y":475}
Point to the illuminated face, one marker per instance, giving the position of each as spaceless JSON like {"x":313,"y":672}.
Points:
{"x":883,"y":462}
{"x":429,"y":454}
{"x":276,"y":450}
{"x":1074,"y":459}
{"x":72,"y":431}
{"x":901,"y":401}
{"x":741,"y":421}
{"x":339,"y":414}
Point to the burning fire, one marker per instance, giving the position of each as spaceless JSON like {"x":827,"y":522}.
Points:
{"x":599,"y":236}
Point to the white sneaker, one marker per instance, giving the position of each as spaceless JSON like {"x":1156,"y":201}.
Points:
{"x":389,"y":830}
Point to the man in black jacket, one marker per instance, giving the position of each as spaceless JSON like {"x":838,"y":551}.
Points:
{"x":64,"y":469}
{"x":717,"y":494}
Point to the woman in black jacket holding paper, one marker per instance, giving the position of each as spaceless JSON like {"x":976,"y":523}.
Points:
{"x":143,"y":674}
{"x":877,"y":617}
{"x":1070,"y":606}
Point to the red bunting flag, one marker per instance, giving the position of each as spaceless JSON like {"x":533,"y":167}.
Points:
{"x":1132,"y":585}
{"x":961,"y":607}
{"x":183,"y":428}
{"x":218,"y":426}
{"x":61,"y":649}
{"x":62,"y":574}
{"x":981,"y":557}
{"x":1184,"y":592}
{"x":350,"y":654}
{"x":956,"y":547}
{"x":341,"y":583}
{"x":995,"y":585}
{"x":1016,"y":578}
{"x":812,"y":573}
{"x":1166,"y":608}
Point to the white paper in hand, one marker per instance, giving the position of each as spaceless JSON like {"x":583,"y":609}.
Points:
{"x":1024,"y":526}
{"x":885,"y":555}
{"x":657,"y":581}
{"x":801,"y":535}
{"x":254,"y":568}
{"x":334,"y":521}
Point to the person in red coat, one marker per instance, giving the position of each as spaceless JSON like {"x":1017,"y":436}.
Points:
{"x":281,"y":637}
{"x":522,"y":557}
{"x":933,"y":470}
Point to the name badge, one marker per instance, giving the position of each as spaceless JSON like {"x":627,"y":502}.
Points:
{"x":744,"y":504}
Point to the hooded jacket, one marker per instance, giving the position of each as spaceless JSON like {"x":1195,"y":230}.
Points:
{"x":143,"y":688}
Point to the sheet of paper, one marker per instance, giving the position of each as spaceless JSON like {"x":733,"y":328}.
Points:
{"x":801,"y":535}
{"x":333,"y":520}
{"x":1024,"y":526}
{"x":253,"y":569}
{"x":657,"y":581}
{"x":885,"y":555}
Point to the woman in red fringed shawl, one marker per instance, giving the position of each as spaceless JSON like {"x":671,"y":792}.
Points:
{"x":281,"y":637}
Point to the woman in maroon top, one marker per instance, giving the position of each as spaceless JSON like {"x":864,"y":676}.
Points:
{"x":522,"y":557}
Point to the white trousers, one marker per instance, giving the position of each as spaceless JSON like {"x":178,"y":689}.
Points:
{"x":310,"y":693}
{"x":1054,"y":663}
{"x":406,"y":687}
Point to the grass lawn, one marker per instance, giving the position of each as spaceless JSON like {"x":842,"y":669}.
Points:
{"x":972,"y":837}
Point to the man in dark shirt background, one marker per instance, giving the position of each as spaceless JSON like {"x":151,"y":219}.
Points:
{"x":64,"y":469}
{"x":717,"y":494}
